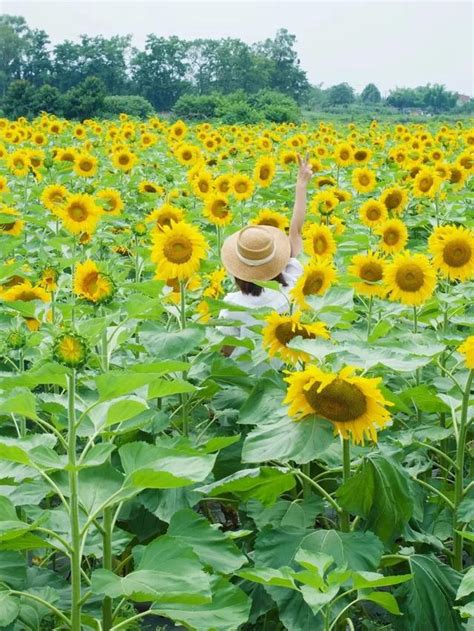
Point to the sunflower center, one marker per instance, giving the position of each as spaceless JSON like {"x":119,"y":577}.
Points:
{"x":77,"y":212}
{"x":340,"y":401}
{"x":313,"y":283}
{"x":219,"y":209}
{"x":86,"y":165}
{"x":264,"y":173}
{"x":320,"y":244}
{"x":178,"y":250}
{"x":149,"y":188}
{"x":456,"y":176}
{"x":203,"y":186}
{"x":457,"y":253}
{"x":371,"y":272}
{"x":287,"y":331}
{"x":124,"y":159}
{"x":165,"y":220}
{"x":373,"y":213}
{"x":364,"y":179}
{"x":90,"y":282}
{"x":360,"y":155}
{"x":410,"y":277}
{"x":393,"y":200}
{"x":344,"y":155}
{"x":391,"y":236}
{"x":7,"y":226}
{"x":425,"y":184}
{"x":269,"y":222}
{"x":187,"y":155}
{"x":241,"y":187}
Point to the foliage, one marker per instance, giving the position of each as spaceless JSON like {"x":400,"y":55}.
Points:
{"x":133,"y":105}
{"x":370,"y":94}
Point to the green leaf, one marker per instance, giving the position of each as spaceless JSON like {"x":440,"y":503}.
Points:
{"x":172,"y":345}
{"x":364,"y":580}
{"x":210,"y":544}
{"x":385,"y":600}
{"x":163,"y":388}
{"x":427,"y":601}
{"x":48,"y":373}
{"x":264,"y":402}
{"x":117,"y":411}
{"x":263,"y":483}
{"x":356,"y":550}
{"x":381,"y":492}
{"x":228,"y":610}
{"x":286,"y":440}
{"x":9,"y":609}
{"x":97,"y":485}
{"x":317,"y":562}
{"x":98,"y":454}
{"x":467,"y":584}
{"x":116,"y":383}
{"x":21,"y":402}
{"x":316,"y":599}
{"x":283,"y":577}
{"x":12,"y":569}
{"x":425,"y":399}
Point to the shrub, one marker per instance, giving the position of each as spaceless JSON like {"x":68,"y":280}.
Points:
{"x":133,"y":105}
{"x":47,"y":99}
{"x":85,"y":100}
{"x":19,"y":99}
{"x":197,"y":106}
{"x":276,"y":107}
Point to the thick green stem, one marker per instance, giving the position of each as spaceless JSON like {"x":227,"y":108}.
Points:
{"x":74,"y":508}
{"x":219,"y":239}
{"x":459,"y":480}
{"x":183,"y":397}
{"x":306,"y":468}
{"x":107,"y":524}
{"x":369,"y":317}
{"x":346,"y":474}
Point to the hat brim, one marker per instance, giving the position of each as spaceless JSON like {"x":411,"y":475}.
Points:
{"x":249,"y":273}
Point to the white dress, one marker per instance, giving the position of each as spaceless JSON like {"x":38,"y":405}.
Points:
{"x":268,"y":299}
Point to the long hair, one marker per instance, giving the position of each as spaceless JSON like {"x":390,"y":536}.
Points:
{"x":249,"y":288}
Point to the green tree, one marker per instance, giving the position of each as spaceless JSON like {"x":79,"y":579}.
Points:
{"x":370,"y":94}
{"x":11,"y":48}
{"x":19,"y":99}
{"x":85,"y":100}
{"x":47,"y":99}
{"x":36,"y":63}
{"x":340,"y":94}
{"x":437,"y":99}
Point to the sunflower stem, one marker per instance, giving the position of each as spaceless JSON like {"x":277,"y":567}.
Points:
{"x":459,"y":479}
{"x":369,"y":317}
{"x":73,"y":274}
{"x":306,"y":468}
{"x":346,"y":474}
{"x":219,"y":239}
{"x":183,"y":396}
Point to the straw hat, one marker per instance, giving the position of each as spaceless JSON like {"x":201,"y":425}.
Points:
{"x":256,"y":253}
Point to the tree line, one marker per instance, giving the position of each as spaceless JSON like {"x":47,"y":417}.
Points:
{"x":96,"y":75}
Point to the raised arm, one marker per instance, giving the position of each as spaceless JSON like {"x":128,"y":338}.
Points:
{"x":299,"y":210}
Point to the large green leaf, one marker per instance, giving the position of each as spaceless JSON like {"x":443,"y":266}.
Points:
{"x":12,"y":569}
{"x":9,"y":609}
{"x":19,"y":401}
{"x":172,"y":345}
{"x":428,"y":600}
{"x":284,"y":440}
{"x":381,"y":492}
{"x":210,"y":544}
{"x":47,"y":373}
{"x":97,"y":485}
{"x":263,"y":483}
{"x":467,"y":584}
{"x":356,"y":550}
{"x":228,"y":610}
{"x":166,"y":464}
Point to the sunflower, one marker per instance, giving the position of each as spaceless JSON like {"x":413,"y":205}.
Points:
{"x":410,"y":278}
{"x":467,"y":349}
{"x":178,"y":130}
{"x":19,"y":163}
{"x":452,"y":248}
{"x":363,"y":180}
{"x":316,"y":279}
{"x":324,"y":202}
{"x":264,"y":171}
{"x":91,"y":284}
{"x":354,"y":405}
{"x":79,"y":214}
{"x":343,"y":154}
{"x":369,"y":268}
{"x":70,"y":350}
{"x":372,"y":213}
{"x":187,"y":155}
{"x":319,"y":241}
{"x":242,"y":186}
{"x":426,"y":183}
{"x":13,"y":227}
{"x":457,"y":176}
{"x":394,"y":235}
{"x":139,"y":229}
{"x":165,"y":215}
{"x":325,"y":180}
{"x":66,"y":155}
{"x":281,"y":329}
{"x":85,"y":165}
{"x":217,"y":210}
{"x":223,"y":184}
{"x":25,"y":292}
{"x":216,"y":278}
{"x":269,"y":217}
{"x":202,"y":184}
{"x":49,"y":278}
{"x":395,"y":199}
{"x":362,"y":156}
{"x":3,"y":184}
{"x":177,"y":251}
{"x":287,"y":158}
{"x":54,"y":197}
{"x":124,"y":160}
{"x":146,"y":186}
{"x":110,"y":201}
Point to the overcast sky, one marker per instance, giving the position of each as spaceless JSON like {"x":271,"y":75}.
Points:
{"x":392,"y":44}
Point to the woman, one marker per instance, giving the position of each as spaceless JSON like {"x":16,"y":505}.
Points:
{"x":263,"y":253}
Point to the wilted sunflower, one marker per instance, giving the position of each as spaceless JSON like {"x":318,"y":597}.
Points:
{"x":410,"y":278}
{"x":165,"y":215}
{"x":242,"y":186}
{"x":70,"y":350}
{"x":269,"y":217}
{"x":343,"y":154}
{"x":370,"y":269}
{"x":324,"y":202}
{"x":426,"y":183}
{"x":85,"y":165}
{"x":177,"y":251}
{"x":372,"y":213}
{"x":452,"y":248}
{"x":363,"y":180}
{"x":394,"y":235}
{"x":91,"y":284}
{"x":264,"y":171}
{"x":319,"y":241}
{"x":316,"y":279}
{"x":395,"y":199}
{"x":110,"y":201}
{"x":467,"y":349}
{"x":354,"y":405}
{"x":217,"y":210}
{"x":79,"y":214}
{"x":281,"y":329}
{"x":13,"y":227}
{"x":54,"y":197}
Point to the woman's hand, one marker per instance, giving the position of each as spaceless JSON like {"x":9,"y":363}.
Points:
{"x":305,"y":171}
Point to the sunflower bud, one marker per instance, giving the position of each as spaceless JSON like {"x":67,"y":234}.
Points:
{"x":16,"y":339}
{"x":70,"y":350}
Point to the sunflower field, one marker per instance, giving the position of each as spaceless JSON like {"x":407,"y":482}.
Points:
{"x":317,"y":478}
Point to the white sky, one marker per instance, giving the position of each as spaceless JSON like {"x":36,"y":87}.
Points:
{"x":390,"y":43}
